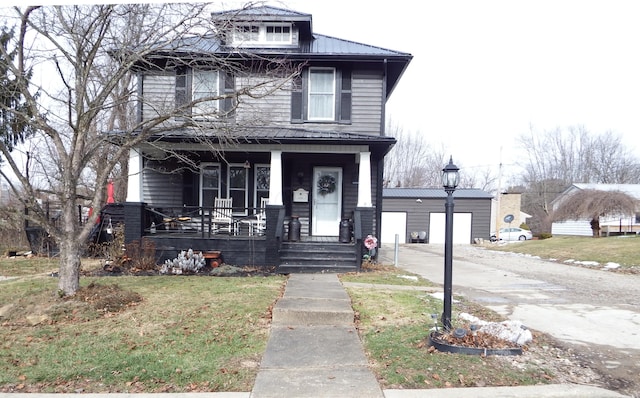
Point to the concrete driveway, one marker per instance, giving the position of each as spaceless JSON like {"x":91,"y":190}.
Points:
{"x":580,"y":306}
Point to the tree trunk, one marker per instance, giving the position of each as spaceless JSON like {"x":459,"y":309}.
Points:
{"x":70,"y":251}
{"x":595,"y":227}
{"x":69,"y":275}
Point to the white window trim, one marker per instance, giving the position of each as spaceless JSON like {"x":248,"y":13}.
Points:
{"x":202,"y":167}
{"x":246,"y":187}
{"x":333,"y":93}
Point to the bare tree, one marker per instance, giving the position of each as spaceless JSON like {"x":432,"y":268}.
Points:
{"x":557,"y":158}
{"x":593,"y":204}
{"x":412,"y":162}
{"x":83,"y":58}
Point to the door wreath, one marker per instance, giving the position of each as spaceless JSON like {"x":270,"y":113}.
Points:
{"x":326,"y":184}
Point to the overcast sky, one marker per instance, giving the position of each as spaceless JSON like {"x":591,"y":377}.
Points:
{"x":484,"y":71}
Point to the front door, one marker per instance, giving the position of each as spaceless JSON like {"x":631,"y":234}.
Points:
{"x":327,"y":201}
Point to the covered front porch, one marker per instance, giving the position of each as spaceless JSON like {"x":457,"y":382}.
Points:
{"x":276,"y":247}
{"x":320,"y":187}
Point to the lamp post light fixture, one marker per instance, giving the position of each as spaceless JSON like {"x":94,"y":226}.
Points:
{"x":450,"y":180}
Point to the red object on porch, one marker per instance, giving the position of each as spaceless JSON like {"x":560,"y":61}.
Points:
{"x":213,"y":258}
{"x":110,"y":192}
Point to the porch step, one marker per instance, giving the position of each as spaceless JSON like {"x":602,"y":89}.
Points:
{"x":317,"y":257}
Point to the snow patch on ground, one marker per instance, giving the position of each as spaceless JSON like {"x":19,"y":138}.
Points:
{"x":513,"y":331}
{"x":409,"y":277}
{"x":588,"y":263}
{"x":440,"y":296}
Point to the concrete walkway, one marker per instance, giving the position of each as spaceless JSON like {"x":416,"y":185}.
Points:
{"x":314,"y":349}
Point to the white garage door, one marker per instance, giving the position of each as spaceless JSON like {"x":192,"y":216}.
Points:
{"x":461,"y":228}
{"x":394,"y":223}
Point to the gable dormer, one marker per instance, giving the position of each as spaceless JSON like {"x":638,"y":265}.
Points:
{"x":263,"y":27}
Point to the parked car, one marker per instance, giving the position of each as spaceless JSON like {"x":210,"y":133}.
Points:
{"x":511,"y":234}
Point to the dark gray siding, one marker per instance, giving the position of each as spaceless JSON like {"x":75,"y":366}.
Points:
{"x":418,"y":213}
{"x":162,"y":186}
{"x":275,"y":108}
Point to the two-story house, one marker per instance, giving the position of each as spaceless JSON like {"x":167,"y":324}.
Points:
{"x":299,"y":163}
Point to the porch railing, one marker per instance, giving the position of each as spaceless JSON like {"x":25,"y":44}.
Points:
{"x":198,"y":221}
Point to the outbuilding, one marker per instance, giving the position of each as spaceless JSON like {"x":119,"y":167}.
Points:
{"x":417,"y":215}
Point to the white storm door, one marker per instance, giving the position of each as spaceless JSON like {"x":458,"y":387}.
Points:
{"x":327,"y":201}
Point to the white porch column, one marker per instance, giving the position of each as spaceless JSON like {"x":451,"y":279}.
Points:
{"x":134,"y":184}
{"x":275,"y":179}
{"x":364,"y":180}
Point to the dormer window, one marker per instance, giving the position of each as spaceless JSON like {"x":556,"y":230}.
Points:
{"x":246,"y":34}
{"x":262,"y":34}
{"x":278,"y":33}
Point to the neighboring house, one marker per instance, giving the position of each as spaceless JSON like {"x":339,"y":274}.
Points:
{"x":610,"y":224}
{"x":508,"y":205}
{"x":314,"y":147}
{"x":418,"y":215}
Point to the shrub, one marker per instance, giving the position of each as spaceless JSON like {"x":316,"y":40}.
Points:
{"x":140,"y":255}
{"x":186,"y":262}
{"x":545,"y":235}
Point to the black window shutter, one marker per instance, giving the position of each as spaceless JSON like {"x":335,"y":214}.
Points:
{"x":344,"y":115}
{"x":183,"y":92}
{"x":297,"y":99}
{"x":227,"y":87}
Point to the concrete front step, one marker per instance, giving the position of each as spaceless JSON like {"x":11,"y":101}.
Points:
{"x":308,"y":311}
{"x":313,"y":300}
{"x":317,"y":257}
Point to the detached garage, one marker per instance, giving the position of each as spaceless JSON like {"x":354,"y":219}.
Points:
{"x":418,"y":215}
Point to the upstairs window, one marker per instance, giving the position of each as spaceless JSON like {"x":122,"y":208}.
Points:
{"x":193,"y":88}
{"x":322,"y":95}
{"x":205,"y":84}
{"x":262,"y":34}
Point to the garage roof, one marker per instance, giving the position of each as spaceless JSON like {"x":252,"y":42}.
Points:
{"x":434,"y":193}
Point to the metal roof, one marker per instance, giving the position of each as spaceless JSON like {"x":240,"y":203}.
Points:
{"x":320,"y":45}
{"x":311,"y":47}
{"x":280,"y":135}
{"x":434,"y":193}
{"x":630,"y":189}
{"x":261,"y":11}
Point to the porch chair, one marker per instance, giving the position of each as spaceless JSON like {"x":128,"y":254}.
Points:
{"x":222,"y":218}
{"x":261,"y":217}
{"x":257,"y":223}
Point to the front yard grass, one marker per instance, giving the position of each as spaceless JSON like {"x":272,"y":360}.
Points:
{"x":616,"y":249}
{"x":394,"y":324}
{"x":189,"y":333}
{"x":203,"y":333}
